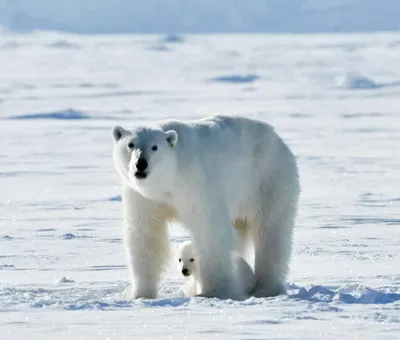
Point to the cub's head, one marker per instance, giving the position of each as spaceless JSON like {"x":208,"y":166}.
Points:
{"x":185,"y":259}
{"x":145,"y":158}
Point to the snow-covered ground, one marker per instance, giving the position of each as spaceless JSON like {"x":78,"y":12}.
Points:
{"x":334,"y":98}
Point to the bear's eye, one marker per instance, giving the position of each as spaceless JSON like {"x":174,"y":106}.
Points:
{"x":180,"y":260}
{"x":191,"y":260}
{"x":131,"y":145}
{"x":154,"y":148}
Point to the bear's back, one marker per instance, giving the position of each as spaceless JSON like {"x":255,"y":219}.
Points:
{"x":220,"y":129}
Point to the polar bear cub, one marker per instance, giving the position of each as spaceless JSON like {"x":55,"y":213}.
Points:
{"x":187,"y":260}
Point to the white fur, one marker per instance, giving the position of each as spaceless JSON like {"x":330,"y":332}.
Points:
{"x":210,"y":174}
{"x":185,"y":255}
{"x":186,"y":261}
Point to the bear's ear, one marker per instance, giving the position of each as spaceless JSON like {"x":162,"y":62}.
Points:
{"x":117,"y":133}
{"x":172,"y":138}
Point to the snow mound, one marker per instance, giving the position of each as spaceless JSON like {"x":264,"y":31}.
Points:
{"x":62,"y":280}
{"x":346,"y":295}
{"x":356,"y":81}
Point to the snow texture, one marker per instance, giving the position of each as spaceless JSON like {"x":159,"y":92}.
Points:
{"x":63,"y":273}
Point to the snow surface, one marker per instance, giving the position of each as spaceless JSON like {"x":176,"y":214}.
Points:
{"x":62,"y":268}
{"x":201,"y":16}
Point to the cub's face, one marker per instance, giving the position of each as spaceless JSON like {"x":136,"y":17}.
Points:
{"x":145,"y":159}
{"x":186,"y":259}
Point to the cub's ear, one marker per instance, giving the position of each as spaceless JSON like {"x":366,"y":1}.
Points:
{"x":172,"y":138}
{"x":117,"y":133}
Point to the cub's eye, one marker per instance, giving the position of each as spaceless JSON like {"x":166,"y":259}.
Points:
{"x":180,"y":260}
{"x":191,"y":260}
{"x":131,"y":145}
{"x":154,"y":148}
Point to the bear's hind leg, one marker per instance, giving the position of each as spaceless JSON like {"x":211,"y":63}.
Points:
{"x":272,"y":238}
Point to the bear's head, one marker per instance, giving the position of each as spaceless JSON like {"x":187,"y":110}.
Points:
{"x":145,"y":159}
{"x":186,"y":259}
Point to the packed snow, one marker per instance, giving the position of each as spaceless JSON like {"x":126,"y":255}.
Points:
{"x":62,"y":269}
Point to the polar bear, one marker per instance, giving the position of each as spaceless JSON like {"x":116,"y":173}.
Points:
{"x":187,"y":260}
{"x":187,"y":267}
{"x":210,"y":175}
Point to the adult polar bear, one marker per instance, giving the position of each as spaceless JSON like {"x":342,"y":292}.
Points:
{"x":208,"y":174}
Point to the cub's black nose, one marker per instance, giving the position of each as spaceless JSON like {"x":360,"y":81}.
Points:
{"x":141,"y":165}
{"x":184,"y":271}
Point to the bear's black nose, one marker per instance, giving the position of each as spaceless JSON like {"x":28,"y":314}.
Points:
{"x":141,"y":165}
{"x":184,"y":271}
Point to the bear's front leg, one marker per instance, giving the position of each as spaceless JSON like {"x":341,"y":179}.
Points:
{"x":212,"y":236}
{"x":146,"y":243}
